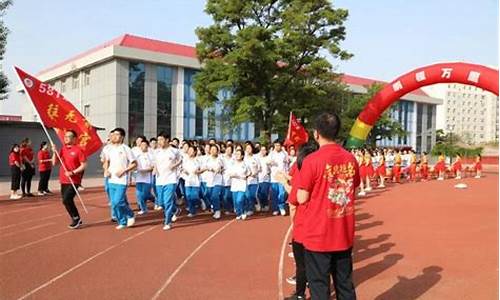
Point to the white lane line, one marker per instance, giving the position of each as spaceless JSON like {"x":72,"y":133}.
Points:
{"x":42,"y":240}
{"x":31,"y":221}
{"x":28,"y":229}
{"x":171,"y":277}
{"x":280,"y":267}
{"x":84,"y":262}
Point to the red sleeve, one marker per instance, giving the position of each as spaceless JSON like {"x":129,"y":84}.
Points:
{"x":12,"y":159}
{"x":81,"y":156}
{"x":356,"y":178}
{"x":40,"y":156}
{"x":306,"y":175}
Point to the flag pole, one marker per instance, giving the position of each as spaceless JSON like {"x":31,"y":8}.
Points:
{"x":289,"y":126}
{"x":52,"y":143}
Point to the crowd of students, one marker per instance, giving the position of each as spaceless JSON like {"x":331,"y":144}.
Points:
{"x":23,"y":165}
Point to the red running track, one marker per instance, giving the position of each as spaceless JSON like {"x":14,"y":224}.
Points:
{"x":423,"y":240}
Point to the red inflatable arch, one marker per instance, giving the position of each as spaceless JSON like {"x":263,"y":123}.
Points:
{"x":471,"y":74}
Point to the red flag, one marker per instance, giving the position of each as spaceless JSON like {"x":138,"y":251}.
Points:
{"x":58,"y":113}
{"x":297,"y":134}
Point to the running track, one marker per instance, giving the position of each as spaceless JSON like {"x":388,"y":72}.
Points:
{"x":422,"y":240}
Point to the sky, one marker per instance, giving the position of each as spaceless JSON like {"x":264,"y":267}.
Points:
{"x":387,"y":37}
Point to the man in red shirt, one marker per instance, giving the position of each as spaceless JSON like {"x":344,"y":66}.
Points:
{"x":327,"y":183}
{"x":75,"y":162}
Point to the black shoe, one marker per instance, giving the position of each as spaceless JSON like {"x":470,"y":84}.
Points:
{"x":30,"y":195}
{"x":76,"y":224}
{"x":295,"y":297}
{"x":113,"y":220}
{"x":48,"y":192}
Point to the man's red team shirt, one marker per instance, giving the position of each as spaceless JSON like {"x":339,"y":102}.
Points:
{"x":26,"y":152}
{"x":44,"y":155}
{"x":331,"y":176}
{"x":13,"y":157}
{"x":72,"y":156}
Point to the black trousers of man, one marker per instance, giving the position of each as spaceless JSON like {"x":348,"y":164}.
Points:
{"x":300,"y":268}
{"x":26,"y":176}
{"x":319,"y":267}
{"x":15,"y":182}
{"x":43,"y":184}
{"x":68,"y":195}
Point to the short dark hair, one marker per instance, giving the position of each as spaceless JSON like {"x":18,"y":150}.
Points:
{"x":153,"y":139}
{"x":120,"y":130}
{"x":42,"y":145}
{"x":145,"y":141}
{"x":13,"y":146}
{"x":327,"y":125}
{"x":72,"y":132}
{"x":175,"y":139}
{"x":278,"y":141}
{"x":164,"y":135}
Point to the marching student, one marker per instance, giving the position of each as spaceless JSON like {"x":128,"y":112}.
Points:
{"x":136,"y":150}
{"x":456,"y":168}
{"x":368,"y":170}
{"x":119,"y":161}
{"x":440,"y":166}
{"x":44,"y":168}
{"x":413,"y":166}
{"x":27,"y":156}
{"x":15,"y":171}
{"x":75,"y":162}
{"x":204,"y":177}
{"x":213,"y":170}
{"x":227,"y":196}
{"x":238,"y":173}
{"x":144,"y":177}
{"x":264,"y":180}
{"x":166,"y":162}
{"x":424,"y":166}
{"x":360,"y":159}
{"x":252,"y":181}
{"x":191,"y":168}
{"x":381,"y":171}
{"x":478,"y":166}
{"x":396,"y":169}
{"x":279,"y":162}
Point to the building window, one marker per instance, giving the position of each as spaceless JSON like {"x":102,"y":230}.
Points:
{"x":86,"y":78}
{"x":420,"y":111}
{"x":164,"y":77}
{"x":429,"y":144}
{"x":198,"y":124}
{"x":86,"y":110}
{"x":430,"y":110}
{"x":136,"y":100}
{"x":211,"y":123}
{"x":75,"y":82}
{"x":189,"y":103}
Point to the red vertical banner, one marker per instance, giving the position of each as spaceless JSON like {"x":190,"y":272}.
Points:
{"x":297,"y":135}
{"x":58,"y":113}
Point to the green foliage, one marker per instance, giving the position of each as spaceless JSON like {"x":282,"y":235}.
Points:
{"x":4,"y":31}
{"x":351,"y":107}
{"x":271,"y":55}
{"x":452,"y":150}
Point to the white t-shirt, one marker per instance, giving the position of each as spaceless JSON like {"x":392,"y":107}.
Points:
{"x":120,"y":157}
{"x":279,"y":162}
{"x":190,"y":167}
{"x":164,"y":160}
{"x":136,"y":151}
{"x":238,"y":172}
{"x":214,"y":172}
{"x":227,"y":163}
{"x":254,"y":167}
{"x":184,"y":156}
{"x":265,"y":170}
{"x":203,"y":161}
{"x":144,"y":161}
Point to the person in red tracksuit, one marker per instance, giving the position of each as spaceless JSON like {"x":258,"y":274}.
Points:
{"x":478,"y":166}
{"x":15,"y":170}
{"x":424,"y":166}
{"x":44,"y":168}
{"x":27,"y":173}
{"x":327,"y":183}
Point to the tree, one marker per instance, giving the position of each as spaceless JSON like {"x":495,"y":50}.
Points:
{"x":351,"y":107}
{"x":4,"y":31}
{"x":270,"y":54}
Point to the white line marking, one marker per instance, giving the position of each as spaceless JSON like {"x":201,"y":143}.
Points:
{"x":171,"y":277}
{"x":42,"y":240}
{"x":27,"y":229}
{"x":31,"y":221}
{"x":84,"y":262}
{"x":280,"y":267}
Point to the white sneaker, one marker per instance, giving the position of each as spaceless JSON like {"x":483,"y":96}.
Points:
{"x":190,"y":215}
{"x":141,"y":212}
{"x":477,"y":176}
{"x":249,"y":213}
{"x":40,"y":194}
{"x":243,"y":216}
{"x":216,"y":215}
{"x":174,"y":218}
{"x":119,"y":227}
{"x":266,"y":208}
{"x":227,"y":213}
{"x":361,"y":194}
{"x":130,"y":222}
{"x":381,"y":186}
{"x":15,"y":197}
{"x":257,"y":207}
{"x":203,"y":205}
{"x":458,"y":177}
{"x":238,"y":218}
{"x":440,"y":178}
{"x":157,"y":207}
{"x":368,"y":189}
{"x":275,"y":213}
{"x":167,"y":227}
{"x":290,"y":254}
{"x":283,"y":212}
